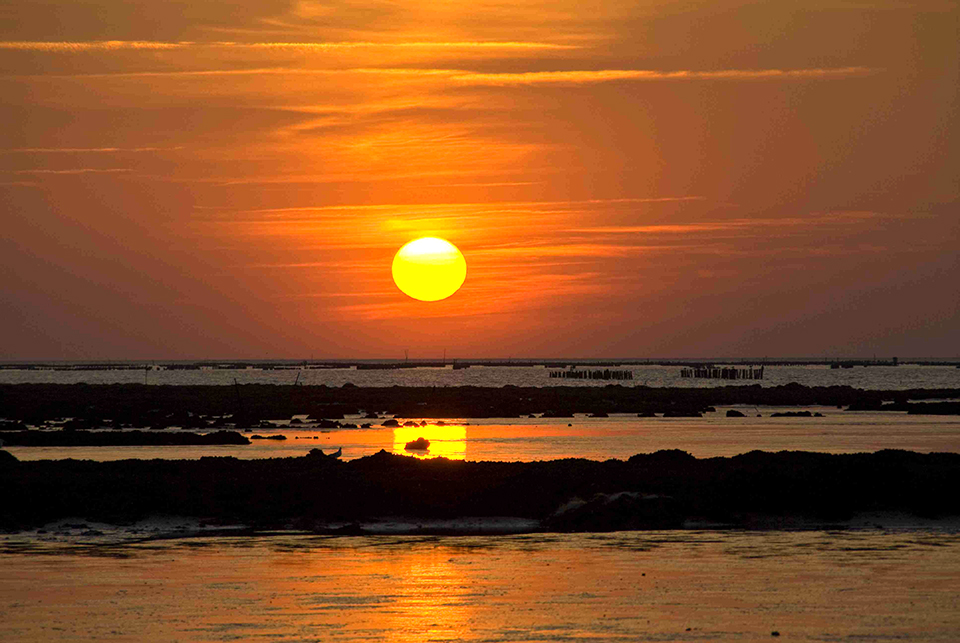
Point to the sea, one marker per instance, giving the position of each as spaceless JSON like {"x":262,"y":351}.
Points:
{"x":873,"y":578}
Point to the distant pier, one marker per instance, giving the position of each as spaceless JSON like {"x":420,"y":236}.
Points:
{"x":723,"y":373}
{"x":605,"y":374}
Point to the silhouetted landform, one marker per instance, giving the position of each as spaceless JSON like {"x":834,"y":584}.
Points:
{"x":276,"y":436}
{"x":420,"y":444}
{"x":666,"y":489}
{"x":247,"y":406}
{"x":922,"y":408}
{"x":121,"y":438}
{"x":733,"y":413}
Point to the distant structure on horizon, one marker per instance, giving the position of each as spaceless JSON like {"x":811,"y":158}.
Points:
{"x":605,"y":374}
{"x":723,"y":373}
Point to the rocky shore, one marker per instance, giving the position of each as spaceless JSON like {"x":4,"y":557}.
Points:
{"x":122,"y":438}
{"x":666,"y":489}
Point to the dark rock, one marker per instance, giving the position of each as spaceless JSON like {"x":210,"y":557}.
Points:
{"x":617,"y":512}
{"x":934,"y":408}
{"x":120,"y":438}
{"x":184,"y":406}
{"x":391,"y":422}
{"x":733,"y":413}
{"x":420,"y":444}
{"x":654,"y":490}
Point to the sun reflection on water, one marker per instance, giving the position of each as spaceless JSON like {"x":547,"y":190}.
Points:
{"x":445,"y":441}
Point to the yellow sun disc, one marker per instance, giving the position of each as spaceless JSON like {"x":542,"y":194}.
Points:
{"x":429,"y":269}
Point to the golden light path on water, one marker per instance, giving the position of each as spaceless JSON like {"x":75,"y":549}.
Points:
{"x":445,"y":441}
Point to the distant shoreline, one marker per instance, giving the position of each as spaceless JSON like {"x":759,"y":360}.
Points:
{"x":294,"y":364}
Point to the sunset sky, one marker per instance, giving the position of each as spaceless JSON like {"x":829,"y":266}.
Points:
{"x":662,"y":178}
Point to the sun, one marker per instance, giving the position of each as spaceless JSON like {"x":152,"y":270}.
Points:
{"x":429,"y":269}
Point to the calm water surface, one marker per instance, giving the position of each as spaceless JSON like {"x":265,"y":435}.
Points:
{"x":905,"y":376}
{"x":629,"y":586}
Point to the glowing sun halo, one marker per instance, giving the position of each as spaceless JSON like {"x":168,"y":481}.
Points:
{"x":429,"y":269}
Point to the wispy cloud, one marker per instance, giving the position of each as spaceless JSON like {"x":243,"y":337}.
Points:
{"x":78,"y":47}
{"x":303,"y":47}
{"x":81,"y":170}
{"x":814,"y":220}
{"x":85,"y":150}
{"x":467,"y":77}
{"x":329,"y":46}
{"x":444,"y":208}
{"x":606,"y":75}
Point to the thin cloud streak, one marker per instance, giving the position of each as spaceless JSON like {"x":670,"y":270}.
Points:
{"x":498,"y":207}
{"x":86,"y":150}
{"x":82,"y":170}
{"x":100,"y":45}
{"x":467,"y":77}
{"x":125,"y":45}
{"x":831,"y":218}
{"x":606,"y":75}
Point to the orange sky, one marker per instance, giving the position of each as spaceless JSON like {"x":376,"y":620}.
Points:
{"x":642,"y":179}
